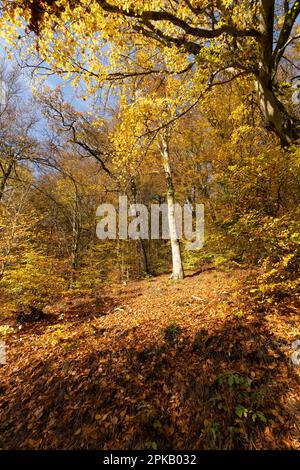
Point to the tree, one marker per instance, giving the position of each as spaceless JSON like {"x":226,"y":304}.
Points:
{"x":211,"y":41}
{"x":18,"y":146}
{"x":175,"y":243}
{"x":142,"y":140}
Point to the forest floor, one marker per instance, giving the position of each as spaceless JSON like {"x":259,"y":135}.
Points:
{"x":154,"y":364}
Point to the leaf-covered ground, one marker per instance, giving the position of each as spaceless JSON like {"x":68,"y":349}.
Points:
{"x":154,"y":364}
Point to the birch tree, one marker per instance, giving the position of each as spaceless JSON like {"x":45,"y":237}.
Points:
{"x":173,"y":229}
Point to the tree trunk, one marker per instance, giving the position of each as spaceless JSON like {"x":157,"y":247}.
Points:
{"x":140,"y":241}
{"x":276,"y":116}
{"x":144,"y":258}
{"x":5,"y":176}
{"x":75,"y":239}
{"x":175,"y":244}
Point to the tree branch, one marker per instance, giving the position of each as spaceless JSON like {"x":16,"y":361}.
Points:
{"x":283,"y":40}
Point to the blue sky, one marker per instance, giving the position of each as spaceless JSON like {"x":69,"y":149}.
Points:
{"x":53,"y":81}
{"x":69,"y":93}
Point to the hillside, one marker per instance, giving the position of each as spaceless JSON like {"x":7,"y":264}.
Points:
{"x":154,"y":364}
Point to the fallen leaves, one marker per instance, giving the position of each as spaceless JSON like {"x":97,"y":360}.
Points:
{"x":39,"y":413}
{"x":145,"y":358}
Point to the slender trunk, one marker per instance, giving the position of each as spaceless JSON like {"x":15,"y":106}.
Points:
{"x":140,"y":241}
{"x":75,"y":239}
{"x":144,"y":258}
{"x":175,"y":244}
{"x":6,"y":175}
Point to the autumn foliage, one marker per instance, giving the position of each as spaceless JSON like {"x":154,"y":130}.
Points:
{"x":190,"y":102}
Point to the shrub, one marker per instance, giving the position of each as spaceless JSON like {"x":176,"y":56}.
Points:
{"x":33,"y":283}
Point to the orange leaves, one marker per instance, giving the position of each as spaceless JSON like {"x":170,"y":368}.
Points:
{"x":131,"y":385}
{"x":33,"y":443}
{"x":39,"y":413}
{"x":100,"y":417}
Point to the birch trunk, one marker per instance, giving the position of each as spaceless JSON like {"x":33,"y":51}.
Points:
{"x":75,"y":238}
{"x":175,"y":244}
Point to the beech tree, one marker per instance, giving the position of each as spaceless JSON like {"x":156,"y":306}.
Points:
{"x":104,"y":41}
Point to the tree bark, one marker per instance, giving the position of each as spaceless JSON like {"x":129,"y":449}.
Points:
{"x":275,"y":114}
{"x":144,"y":258}
{"x":276,"y":117}
{"x":178,"y":272}
{"x":140,"y":241}
{"x":6,"y":174}
{"x":75,"y":238}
